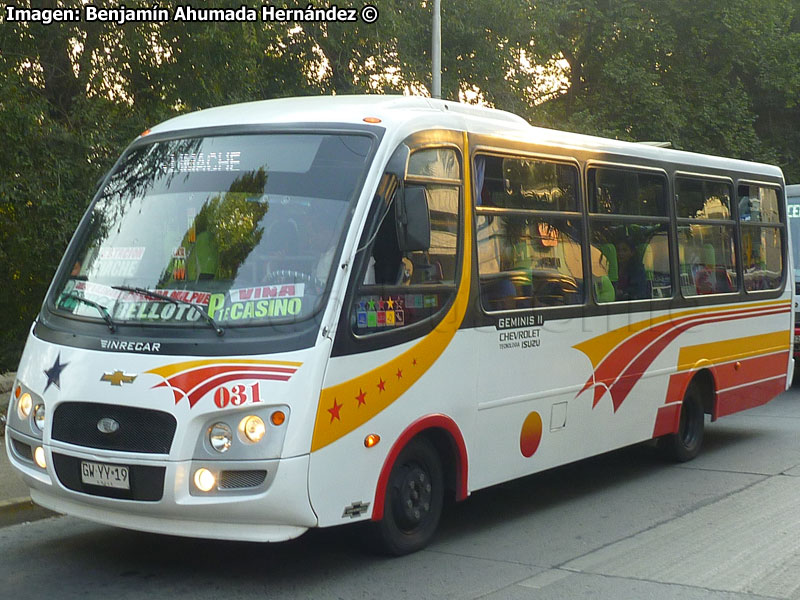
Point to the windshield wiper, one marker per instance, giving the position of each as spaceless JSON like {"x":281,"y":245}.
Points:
{"x":100,"y":308}
{"x":176,"y":301}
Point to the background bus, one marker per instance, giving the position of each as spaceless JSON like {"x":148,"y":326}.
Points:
{"x":793,"y":211}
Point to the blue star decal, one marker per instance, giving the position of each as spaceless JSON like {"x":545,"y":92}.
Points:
{"x":54,"y":373}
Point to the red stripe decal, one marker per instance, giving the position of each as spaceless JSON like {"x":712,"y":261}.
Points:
{"x":748,"y":396}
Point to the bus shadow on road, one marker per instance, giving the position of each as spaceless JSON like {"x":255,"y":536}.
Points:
{"x":580,"y":487}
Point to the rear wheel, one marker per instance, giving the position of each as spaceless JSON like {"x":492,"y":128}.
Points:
{"x":685,"y":444}
{"x":413,"y":502}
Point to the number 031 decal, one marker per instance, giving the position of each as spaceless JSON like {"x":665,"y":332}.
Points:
{"x":237,"y":395}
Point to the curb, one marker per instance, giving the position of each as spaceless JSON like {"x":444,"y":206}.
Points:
{"x":20,"y":510}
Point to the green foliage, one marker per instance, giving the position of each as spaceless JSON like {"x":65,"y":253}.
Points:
{"x":715,"y":77}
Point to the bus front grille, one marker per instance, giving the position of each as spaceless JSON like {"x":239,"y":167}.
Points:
{"x":233,"y":480}
{"x":124,"y":428}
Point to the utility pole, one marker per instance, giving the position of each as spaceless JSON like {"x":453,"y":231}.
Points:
{"x":436,"y":50}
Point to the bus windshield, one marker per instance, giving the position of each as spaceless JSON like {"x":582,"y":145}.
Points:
{"x":242,"y":229}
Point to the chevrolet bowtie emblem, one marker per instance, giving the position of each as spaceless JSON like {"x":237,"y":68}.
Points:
{"x":117,"y":378}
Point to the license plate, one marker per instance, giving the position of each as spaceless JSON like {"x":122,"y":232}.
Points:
{"x":114,"y":476}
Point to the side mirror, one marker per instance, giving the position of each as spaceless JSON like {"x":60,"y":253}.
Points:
{"x":413,"y":219}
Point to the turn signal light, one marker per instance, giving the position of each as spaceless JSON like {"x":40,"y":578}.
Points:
{"x":371,"y":440}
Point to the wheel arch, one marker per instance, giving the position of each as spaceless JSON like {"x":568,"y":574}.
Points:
{"x":704,"y":379}
{"x":446,"y":437}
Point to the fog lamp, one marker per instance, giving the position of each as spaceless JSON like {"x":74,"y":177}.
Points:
{"x":253,"y":428}
{"x":220,"y":437}
{"x":204,"y":480}
{"x":38,"y":416}
{"x":38,"y":456}
{"x":24,"y":405}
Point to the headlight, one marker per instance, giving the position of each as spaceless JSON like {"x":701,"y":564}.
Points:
{"x":220,"y":437}
{"x":38,"y":416}
{"x":24,"y":405}
{"x":253,"y":428}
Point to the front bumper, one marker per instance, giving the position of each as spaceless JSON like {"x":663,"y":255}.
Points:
{"x":275,"y":509}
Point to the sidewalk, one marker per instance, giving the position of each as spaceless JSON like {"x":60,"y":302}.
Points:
{"x":15,"y":503}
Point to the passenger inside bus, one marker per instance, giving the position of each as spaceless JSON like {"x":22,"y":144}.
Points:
{"x":632,"y":281}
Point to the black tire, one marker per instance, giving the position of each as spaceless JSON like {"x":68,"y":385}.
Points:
{"x":685,"y":444}
{"x":413,"y":502}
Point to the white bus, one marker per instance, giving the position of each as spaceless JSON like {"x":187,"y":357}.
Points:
{"x":308,"y":312}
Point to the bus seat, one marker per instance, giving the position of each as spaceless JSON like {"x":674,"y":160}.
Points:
{"x":645,"y":254}
{"x":709,"y":255}
{"x":604,"y":289}
{"x":610,"y":252}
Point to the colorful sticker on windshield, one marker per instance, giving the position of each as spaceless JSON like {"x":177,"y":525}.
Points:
{"x":268,"y":301}
{"x":286,"y":290}
{"x":156,"y":310}
{"x":379,"y":311}
{"x":257,"y":303}
{"x":135,"y":306}
{"x":179,"y":264}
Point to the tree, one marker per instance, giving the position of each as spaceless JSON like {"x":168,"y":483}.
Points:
{"x":709,"y":77}
{"x":715,"y":77}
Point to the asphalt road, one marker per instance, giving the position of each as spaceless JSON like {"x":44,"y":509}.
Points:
{"x":623,"y":525}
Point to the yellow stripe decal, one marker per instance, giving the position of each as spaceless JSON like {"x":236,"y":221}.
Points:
{"x":348,"y":405}
{"x":168,"y":370}
{"x":712,"y":353}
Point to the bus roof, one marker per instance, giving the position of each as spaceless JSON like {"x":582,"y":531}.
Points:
{"x":409,"y":114}
{"x":793,"y":191}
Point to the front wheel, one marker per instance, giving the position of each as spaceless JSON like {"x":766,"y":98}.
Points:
{"x":413,"y":501}
{"x":685,"y":444}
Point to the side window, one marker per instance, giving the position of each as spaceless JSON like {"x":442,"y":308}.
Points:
{"x":706,"y":243}
{"x":762,"y":237}
{"x":528,"y":233}
{"x":629,"y":229}
{"x":401,"y":288}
